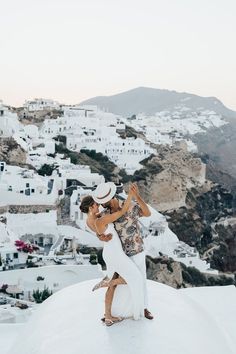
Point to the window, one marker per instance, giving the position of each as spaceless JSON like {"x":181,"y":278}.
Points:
{"x":15,"y":255}
{"x":32,"y":190}
{"x":21,"y":191}
{"x":27,"y":185}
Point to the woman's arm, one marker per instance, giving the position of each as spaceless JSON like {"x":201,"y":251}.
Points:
{"x":102,"y":222}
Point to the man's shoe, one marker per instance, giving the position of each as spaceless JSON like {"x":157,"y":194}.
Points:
{"x":148,"y":314}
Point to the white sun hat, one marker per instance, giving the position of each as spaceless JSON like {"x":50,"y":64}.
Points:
{"x":104,"y":192}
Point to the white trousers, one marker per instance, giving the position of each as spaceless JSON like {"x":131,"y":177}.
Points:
{"x":140,"y":261}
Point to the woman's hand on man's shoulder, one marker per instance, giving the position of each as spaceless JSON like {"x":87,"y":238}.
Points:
{"x":105,"y":238}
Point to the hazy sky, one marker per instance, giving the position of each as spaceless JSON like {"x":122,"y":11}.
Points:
{"x":71,"y":50}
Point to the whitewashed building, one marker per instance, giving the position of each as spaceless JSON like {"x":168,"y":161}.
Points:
{"x":70,"y":176}
{"x":39,"y":104}
{"x":9,"y":122}
{"x":76,"y":214}
{"x":20,"y":186}
{"x":40,"y":228}
{"x":9,"y":255}
{"x":168,"y":127}
{"x":92,"y":129}
{"x":38,"y":155}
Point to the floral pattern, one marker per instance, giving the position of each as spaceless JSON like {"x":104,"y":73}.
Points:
{"x":128,"y":230}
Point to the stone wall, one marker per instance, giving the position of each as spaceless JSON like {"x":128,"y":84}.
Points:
{"x":25,"y":209}
{"x":3,"y":209}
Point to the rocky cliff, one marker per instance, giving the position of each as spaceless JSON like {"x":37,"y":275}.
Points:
{"x":200,"y":211}
{"x":166,"y":177}
{"x":167,"y":271}
{"x":207,"y":222}
{"x":220,"y":145}
{"x":11,"y":152}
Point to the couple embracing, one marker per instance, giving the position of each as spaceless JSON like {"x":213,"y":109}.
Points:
{"x":123,"y":251}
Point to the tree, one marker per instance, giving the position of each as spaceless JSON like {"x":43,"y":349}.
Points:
{"x":46,"y":170}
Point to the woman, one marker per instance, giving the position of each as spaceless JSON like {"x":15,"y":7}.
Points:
{"x":115,"y":258}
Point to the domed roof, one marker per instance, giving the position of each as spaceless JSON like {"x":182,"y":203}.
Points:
{"x":192,"y":321}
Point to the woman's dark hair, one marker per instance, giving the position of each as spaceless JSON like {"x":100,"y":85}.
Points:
{"x":86,"y":203}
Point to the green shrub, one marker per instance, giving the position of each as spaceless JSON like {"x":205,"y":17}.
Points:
{"x":100,"y":259}
{"x":39,"y":296}
{"x":140,"y":175}
{"x":223,"y":280}
{"x":73,"y":157}
{"x":46,"y":170}
{"x":124,"y":177}
{"x":61,"y":139}
{"x":187,"y":277}
{"x":169,"y":267}
{"x":198,"y":277}
{"x":61,"y":149}
{"x":93,"y":258}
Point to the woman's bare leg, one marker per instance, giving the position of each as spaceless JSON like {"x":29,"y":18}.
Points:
{"x":118,"y":281}
{"x":106,"y":282}
{"x":108,"y":301}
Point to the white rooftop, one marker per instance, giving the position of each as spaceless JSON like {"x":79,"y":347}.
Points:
{"x":192,"y":321}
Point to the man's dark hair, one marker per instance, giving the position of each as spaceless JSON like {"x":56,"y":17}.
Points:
{"x":118,"y":196}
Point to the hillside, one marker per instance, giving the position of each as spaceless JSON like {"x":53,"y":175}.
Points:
{"x":98,"y":162}
{"x":151,"y":100}
{"x":220,"y":145}
{"x":165,"y":115}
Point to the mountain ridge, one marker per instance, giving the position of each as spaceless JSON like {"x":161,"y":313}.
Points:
{"x":151,"y":100}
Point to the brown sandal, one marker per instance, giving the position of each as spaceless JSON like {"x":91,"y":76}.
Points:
{"x":109,"y":322}
{"x":102,"y":284}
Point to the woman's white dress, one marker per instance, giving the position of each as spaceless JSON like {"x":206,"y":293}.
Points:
{"x":128,"y":299}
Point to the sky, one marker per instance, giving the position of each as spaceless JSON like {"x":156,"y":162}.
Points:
{"x":71,"y":50}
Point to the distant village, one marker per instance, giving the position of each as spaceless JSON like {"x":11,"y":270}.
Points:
{"x":43,"y":235}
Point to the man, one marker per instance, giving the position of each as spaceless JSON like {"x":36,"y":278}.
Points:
{"x":128,"y":230}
